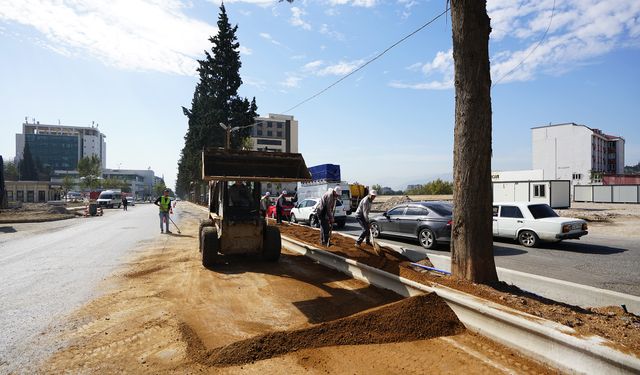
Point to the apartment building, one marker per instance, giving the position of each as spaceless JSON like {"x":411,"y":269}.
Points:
{"x":275,"y":132}
{"x":576,"y":152}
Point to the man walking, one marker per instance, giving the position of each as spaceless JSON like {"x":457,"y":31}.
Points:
{"x":164,"y":202}
{"x":324,"y":210}
{"x":265,"y":202}
{"x":362,"y":216}
{"x":125,"y":202}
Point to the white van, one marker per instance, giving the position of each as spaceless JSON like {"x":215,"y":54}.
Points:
{"x":110,"y":199}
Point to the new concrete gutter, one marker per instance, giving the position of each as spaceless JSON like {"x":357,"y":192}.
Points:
{"x":547,"y":341}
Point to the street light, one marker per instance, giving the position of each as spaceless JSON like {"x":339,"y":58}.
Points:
{"x":229,"y":129}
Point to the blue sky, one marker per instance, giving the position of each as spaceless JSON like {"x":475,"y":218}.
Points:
{"x":129,"y":65}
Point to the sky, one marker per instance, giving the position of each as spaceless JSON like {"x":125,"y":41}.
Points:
{"x":130,"y":65}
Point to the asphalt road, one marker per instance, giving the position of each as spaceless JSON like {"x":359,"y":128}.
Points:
{"x":603,"y":262}
{"x":49,"y":269}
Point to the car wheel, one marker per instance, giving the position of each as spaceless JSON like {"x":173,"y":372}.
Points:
{"x":528,"y":238}
{"x":293,"y":218}
{"x":427,"y":238}
{"x":375,"y":230}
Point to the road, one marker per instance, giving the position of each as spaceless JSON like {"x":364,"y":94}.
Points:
{"x":49,"y":269}
{"x":600,"y":261}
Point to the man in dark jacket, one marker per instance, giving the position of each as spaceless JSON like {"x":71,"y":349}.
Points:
{"x":279,"y":206}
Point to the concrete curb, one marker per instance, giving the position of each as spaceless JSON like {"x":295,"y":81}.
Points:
{"x":544,"y":340}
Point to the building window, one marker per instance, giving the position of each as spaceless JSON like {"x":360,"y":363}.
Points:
{"x":269,"y":124}
{"x":577,"y":176}
{"x":279,"y":134}
{"x":41,"y":196}
{"x":10,"y":195}
{"x":259,"y":132}
{"x":279,"y":125}
{"x":20,"y":196}
{"x":30,"y":196}
{"x":269,"y":133}
{"x":271,"y":142}
{"x":539,"y":191}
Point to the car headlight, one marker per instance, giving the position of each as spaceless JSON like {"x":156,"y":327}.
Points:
{"x":566,"y":228}
{"x":584,"y":226}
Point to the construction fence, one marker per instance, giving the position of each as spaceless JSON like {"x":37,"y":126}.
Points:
{"x":607,"y":193}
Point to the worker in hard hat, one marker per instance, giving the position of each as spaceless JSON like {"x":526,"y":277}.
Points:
{"x":280,"y":206}
{"x":324,"y":210}
{"x":265,"y":202}
{"x":362,"y":216}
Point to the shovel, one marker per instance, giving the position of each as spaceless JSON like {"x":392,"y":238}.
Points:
{"x":375,"y":245}
{"x":170,"y":219}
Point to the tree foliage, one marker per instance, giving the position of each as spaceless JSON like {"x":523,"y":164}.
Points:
{"x":215,"y":101}
{"x":90,"y":170}
{"x":632,"y":169}
{"x":159,"y":188}
{"x":10,"y":171}
{"x":27,"y":166}
{"x":67,"y":183}
{"x":435,"y":187}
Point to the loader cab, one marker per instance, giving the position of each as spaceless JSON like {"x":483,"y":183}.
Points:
{"x":235,"y":200}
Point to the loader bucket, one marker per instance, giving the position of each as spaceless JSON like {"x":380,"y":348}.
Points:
{"x":232,"y":165}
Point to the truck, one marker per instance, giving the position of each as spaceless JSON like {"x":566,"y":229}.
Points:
{"x":315,"y":189}
{"x":358,"y":191}
{"x":234,"y":225}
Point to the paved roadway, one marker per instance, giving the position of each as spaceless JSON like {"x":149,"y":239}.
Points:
{"x":49,"y":269}
{"x":603,"y":262}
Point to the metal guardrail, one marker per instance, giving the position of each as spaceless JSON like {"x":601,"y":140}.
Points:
{"x":547,"y":341}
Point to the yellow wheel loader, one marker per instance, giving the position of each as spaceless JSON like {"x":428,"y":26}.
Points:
{"x":235,"y":225}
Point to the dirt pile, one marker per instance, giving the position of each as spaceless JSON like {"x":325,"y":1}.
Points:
{"x":389,"y":203}
{"x":416,"y":318}
{"x":34,"y":213}
{"x":57,"y":210}
{"x":612,"y":323}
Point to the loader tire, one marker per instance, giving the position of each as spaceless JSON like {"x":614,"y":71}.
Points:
{"x":210,"y":246}
{"x":203,"y":223}
{"x":272,"y":244}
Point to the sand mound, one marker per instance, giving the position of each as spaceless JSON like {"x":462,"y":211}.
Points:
{"x":416,"y":318}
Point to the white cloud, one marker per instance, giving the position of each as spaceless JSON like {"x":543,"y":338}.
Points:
{"x":143,"y":35}
{"x":341,"y":68}
{"x":313,"y":66}
{"x":355,"y":3}
{"x":245,"y":50}
{"x":296,"y":18}
{"x":325,"y":30}
{"x":268,"y":37}
{"x":580,"y":31}
{"x":291,"y":81}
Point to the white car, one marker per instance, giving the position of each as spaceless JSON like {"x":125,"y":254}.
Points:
{"x":531,"y":223}
{"x":305,"y":212}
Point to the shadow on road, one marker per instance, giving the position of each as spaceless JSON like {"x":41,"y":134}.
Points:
{"x":584,"y":248}
{"x":7,"y":229}
{"x":500,"y":251}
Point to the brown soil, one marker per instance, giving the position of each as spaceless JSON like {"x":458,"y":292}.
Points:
{"x":392,"y":323}
{"x":34,"y":213}
{"x":163,"y":313}
{"x":623,"y":329}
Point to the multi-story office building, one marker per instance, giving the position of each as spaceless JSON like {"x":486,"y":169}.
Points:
{"x":275,"y":133}
{"x":140,"y":180}
{"x":61,"y":147}
{"x":576,"y":153}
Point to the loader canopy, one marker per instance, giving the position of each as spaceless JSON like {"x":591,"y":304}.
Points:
{"x":232,"y":165}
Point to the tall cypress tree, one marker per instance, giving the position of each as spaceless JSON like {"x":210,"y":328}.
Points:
{"x":215,"y":100}
{"x":28,"y":170}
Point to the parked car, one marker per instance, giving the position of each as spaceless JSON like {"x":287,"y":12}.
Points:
{"x":531,"y":223}
{"x":305,"y":212}
{"x":131,"y":201}
{"x":73,"y":196}
{"x":286,"y":208}
{"x":428,"y":222}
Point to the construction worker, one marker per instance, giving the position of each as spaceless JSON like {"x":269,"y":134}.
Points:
{"x":362,"y":216}
{"x":164,"y":202}
{"x":324,"y":210}
{"x":279,"y":206}
{"x":265,"y":202}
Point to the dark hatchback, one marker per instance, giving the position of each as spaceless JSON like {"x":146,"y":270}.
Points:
{"x":428,"y":222}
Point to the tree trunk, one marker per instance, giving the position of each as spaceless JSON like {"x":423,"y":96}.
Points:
{"x":472,"y":238}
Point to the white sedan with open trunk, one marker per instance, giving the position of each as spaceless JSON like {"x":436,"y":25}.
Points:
{"x":530,"y":223}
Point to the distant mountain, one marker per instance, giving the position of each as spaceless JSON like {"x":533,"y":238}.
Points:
{"x":402,"y":184}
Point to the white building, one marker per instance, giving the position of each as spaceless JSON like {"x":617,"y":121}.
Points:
{"x":275,"y":133}
{"x":60,"y":147}
{"x":576,"y":153}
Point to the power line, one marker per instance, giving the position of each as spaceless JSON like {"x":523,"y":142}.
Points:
{"x":369,"y":61}
{"x":533,"y":50}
